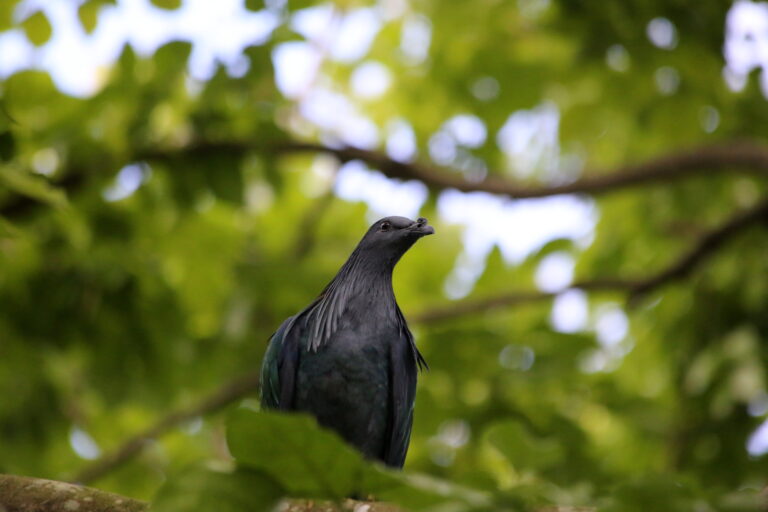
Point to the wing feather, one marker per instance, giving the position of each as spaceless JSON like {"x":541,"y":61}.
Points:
{"x":278,"y":371}
{"x":403,"y":371}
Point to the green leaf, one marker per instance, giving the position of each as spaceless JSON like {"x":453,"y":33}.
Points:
{"x":7,"y":146}
{"x":254,"y":5}
{"x":167,"y":4}
{"x":204,"y":490}
{"x":171,"y":59}
{"x":424,"y":492}
{"x":311,"y":461}
{"x":38,"y":28}
{"x":6,"y":119}
{"x":656,"y":492}
{"x":523,"y":449}
{"x":89,"y":13}
{"x":295,"y":451}
{"x":227,"y":183}
{"x":32,"y":186}
{"x":6,"y":13}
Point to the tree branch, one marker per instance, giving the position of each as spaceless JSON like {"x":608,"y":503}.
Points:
{"x":227,"y":394}
{"x":25,"y":494}
{"x":736,"y":156}
{"x":306,"y":238}
{"x":745,"y":156}
{"x":705,"y":246}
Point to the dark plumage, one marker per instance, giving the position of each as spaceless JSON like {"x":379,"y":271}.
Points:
{"x":349,"y":358}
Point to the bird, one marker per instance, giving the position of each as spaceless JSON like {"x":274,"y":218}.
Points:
{"x":349,"y":358}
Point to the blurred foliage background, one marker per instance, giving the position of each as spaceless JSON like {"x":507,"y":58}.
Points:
{"x":157,"y":225}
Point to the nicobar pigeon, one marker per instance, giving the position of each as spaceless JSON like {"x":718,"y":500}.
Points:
{"x":349,"y":358}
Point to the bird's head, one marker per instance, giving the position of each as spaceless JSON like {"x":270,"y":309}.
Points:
{"x":390,"y":237}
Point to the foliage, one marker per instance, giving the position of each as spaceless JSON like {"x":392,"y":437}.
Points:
{"x":118,"y":307}
{"x":200,"y":489}
{"x":309,"y":461}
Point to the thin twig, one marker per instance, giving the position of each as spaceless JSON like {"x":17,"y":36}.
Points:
{"x":229,"y":393}
{"x":19,"y":205}
{"x":306,"y":237}
{"x":705,"y":246}
{"x":503,"y":301}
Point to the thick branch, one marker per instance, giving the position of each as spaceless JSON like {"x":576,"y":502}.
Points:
{"x":705,"y":246}
{"x":25,"y":494}
{"x":744,"y":156}
{"x":732,"y":157}
{"x":231,"y":392}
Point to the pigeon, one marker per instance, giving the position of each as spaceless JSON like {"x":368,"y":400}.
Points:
{"x":349,"y":358}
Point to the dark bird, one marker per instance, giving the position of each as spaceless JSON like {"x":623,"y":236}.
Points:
{"x":349,"y":358}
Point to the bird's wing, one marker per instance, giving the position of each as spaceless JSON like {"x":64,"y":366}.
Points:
{"x":278,"y":371}
{"x":406,"y":333}
{"x":404,"y":359}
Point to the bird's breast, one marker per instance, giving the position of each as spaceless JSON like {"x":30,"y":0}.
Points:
{"x":345,"y":383}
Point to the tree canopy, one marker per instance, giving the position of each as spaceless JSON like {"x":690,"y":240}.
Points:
{"x":593,"y":308}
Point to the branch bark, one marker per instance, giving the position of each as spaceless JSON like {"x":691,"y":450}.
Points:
{"x":737,"y":156}
{"x":26,"y":494}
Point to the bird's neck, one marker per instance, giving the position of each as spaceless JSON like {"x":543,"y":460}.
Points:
{"x":365,"y":280}
{"x":363,"y":285}
{"x":374,"y":291}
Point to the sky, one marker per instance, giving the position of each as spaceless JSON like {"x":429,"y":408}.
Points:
{"x":220,"y":30}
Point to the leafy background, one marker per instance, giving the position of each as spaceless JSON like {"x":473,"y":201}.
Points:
{"x":156,"y":226}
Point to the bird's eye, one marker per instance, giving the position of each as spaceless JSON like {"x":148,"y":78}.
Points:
{"x":385,"y":226}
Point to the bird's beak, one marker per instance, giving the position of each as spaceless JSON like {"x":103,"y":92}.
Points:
{"x":422,"y":227}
